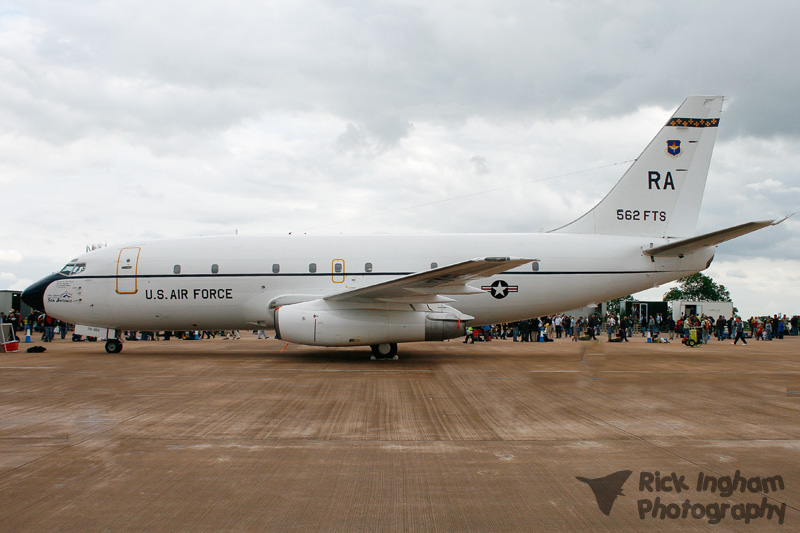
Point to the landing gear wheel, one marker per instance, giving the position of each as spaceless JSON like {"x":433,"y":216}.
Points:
{"x":113,"y":346}
{"x":384,"y":351}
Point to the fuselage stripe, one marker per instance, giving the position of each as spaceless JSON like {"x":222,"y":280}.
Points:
{"x":328,"y":274}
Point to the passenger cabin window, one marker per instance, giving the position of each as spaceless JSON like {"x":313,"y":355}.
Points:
{"x":276,"y":268}
{"x":536,"y":266}
{"x":368,"y":267}
{"x":337,"y":267}
{"x":434,"y":265}
{"x":176,"y":269}
{"x":312,"y":267}
{"x":70,"y":269}
{"x":215,"y":268}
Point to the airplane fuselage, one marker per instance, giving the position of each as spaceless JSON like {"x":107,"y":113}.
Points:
{"x":235,"y":282}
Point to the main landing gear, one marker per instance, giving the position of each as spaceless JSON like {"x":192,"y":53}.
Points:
{"x":113,"y":346}
{"x":384,"y":351}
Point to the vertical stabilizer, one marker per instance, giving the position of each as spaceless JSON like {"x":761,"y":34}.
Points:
{"x":660,"y":194}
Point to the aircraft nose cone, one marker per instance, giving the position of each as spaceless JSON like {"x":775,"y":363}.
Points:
{"x":33,"y":296}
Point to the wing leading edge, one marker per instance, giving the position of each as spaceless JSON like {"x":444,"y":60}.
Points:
{"x":430,"y":286}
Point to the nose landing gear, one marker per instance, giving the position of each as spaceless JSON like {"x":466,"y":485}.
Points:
{"x":113,"y":346}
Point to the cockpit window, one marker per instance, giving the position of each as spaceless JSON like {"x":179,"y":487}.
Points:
{"x":73,"y":268}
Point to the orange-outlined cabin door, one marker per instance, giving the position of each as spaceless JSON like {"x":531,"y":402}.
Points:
{"x":127,"y":269}
{"x":337,"y":271}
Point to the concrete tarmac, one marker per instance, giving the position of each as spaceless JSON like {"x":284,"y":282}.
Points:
{"x":252,"y":435}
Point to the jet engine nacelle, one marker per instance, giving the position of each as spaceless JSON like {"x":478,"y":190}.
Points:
{"x":304,"y":324}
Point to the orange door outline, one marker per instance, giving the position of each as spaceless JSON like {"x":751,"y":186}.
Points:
{"x":127,"y":270}
{"x":337,"y":277}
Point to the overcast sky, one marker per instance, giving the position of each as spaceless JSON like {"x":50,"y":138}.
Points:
{"x":122,"y":120}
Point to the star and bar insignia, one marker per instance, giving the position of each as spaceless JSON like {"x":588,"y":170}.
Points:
{"x":500,"y":289}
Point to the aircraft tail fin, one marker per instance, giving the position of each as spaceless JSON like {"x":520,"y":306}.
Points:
{"x":660,"y":194}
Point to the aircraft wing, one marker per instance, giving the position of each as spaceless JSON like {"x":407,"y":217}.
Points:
{"x":692,"y":244}
{"x":431,"y":285}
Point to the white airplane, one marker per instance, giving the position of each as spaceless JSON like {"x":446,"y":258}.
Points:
{"x":380,"y":290}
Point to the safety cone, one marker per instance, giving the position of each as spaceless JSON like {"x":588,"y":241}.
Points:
{"x":28,"y":334}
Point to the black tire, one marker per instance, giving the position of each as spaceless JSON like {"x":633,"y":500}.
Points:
{"x":690,"y":343}
{"x":113,"y":346}
{"x":384,"y":351}
{"x":380,"y":350}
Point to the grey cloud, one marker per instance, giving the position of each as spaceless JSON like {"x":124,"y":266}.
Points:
{"x":479,"y":165}
{"x":353,"y":139}
{"x":378,"y":134}
{"x":181,"y":66}
{"x":203,"y":117}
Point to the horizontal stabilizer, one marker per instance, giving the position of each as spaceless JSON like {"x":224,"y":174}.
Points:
{"x":447,"y":280}
{"x":693,"y":244}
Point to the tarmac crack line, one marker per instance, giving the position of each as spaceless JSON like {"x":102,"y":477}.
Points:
{"x":674,"y":454}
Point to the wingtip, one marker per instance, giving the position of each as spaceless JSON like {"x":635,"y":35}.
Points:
{"x":776,"y":222}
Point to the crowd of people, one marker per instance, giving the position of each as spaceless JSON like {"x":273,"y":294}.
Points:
{"x":37,"y":322}
{"x":47,"y":328}
{"x":619,"y":328}
{"x":187,"y":335}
